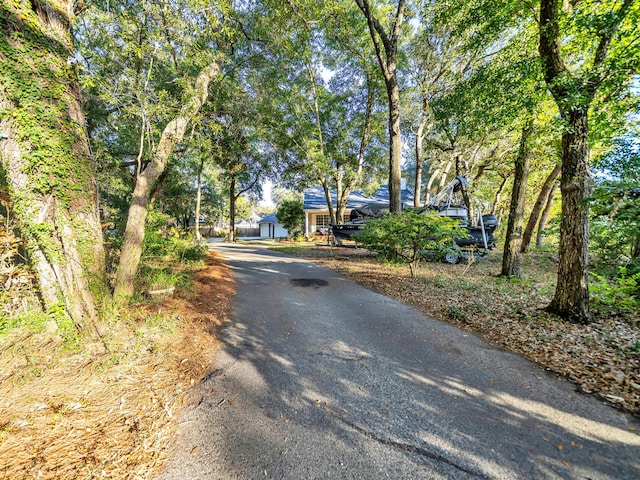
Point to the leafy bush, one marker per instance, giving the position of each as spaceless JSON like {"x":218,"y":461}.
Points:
{"x":163,"y":240}
{"x":622,"y":293}
{"x":410,"y":237}
{"x":291,"y":215}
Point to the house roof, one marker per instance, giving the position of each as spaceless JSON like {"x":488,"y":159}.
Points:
{"x":269,"y":218}
{"x":314,"y":198}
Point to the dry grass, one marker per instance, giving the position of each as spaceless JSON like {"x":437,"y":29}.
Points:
{"x":602,"y":357}
{"x":96,"y":413}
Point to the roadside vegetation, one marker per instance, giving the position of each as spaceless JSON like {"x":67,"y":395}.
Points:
{"x":72,"y":407}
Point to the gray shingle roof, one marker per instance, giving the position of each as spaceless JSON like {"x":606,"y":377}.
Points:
{"x":314,"y":198}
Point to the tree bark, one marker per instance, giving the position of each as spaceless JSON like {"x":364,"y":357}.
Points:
{"x":232,"y":209}
{"x":388,"y":65}
{"x":171,"y":135}
{"x":541,"y":201}
{"x":46,"y":158}
{"x":571,"y":299}
{"x":544,"y":217}
{"x":198,"y":200}
{"x":417,"y":188}
{"x":511,"y":258}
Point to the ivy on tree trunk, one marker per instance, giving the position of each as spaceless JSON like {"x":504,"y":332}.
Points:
{"x":46,"y":158}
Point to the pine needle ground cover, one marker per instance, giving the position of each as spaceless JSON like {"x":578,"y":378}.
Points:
{"x":108,"y":410}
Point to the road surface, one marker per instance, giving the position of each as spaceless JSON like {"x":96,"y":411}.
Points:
{"x":320,"y":378}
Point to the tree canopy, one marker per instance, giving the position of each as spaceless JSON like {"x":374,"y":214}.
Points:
{"x":188,"y":107}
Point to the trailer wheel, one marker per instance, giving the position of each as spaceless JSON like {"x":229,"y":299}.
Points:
{"x":451,"y":258}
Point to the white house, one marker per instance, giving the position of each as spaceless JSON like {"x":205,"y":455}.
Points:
{"x":270,"y":227}
{"x":316,"y":211}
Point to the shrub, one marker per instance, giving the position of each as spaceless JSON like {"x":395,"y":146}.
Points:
{"x":622,"y":292}
{"x":410,"y":237}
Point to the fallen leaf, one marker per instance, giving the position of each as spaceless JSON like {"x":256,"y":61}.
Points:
{"x":195,"y":449}
{"x":560,"y":447}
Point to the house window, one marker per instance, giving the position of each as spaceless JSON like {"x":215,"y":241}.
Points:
{"x":324,"y":221}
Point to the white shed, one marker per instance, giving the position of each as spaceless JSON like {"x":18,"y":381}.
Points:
{"x":270,"y":227}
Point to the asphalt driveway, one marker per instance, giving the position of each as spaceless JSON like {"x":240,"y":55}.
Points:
{"x":320,"y":378}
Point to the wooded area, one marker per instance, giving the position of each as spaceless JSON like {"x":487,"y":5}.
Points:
{"x":122,"y":119}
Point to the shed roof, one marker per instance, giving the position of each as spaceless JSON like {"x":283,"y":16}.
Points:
{"x":269,"y":218}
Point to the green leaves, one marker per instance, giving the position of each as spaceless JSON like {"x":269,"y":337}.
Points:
{"x":291,"y":215}
{"x":410,"y":237}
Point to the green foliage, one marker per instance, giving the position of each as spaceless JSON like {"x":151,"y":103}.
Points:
{"x":615,"y":207}
{"x":455,"y":313}
{"x":621,"y":293}
{"x":410,"y":237}
{"x":164,"y":240}
{"x":162,"y":278}
{"x":291,"y":215}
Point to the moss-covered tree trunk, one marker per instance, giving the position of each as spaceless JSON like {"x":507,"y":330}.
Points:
{"x":148,"y":178}
{"x":46,"y":160}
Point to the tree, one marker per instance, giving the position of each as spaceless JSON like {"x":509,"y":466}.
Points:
{"x":386,"y":47}
{"x":150,"y":65}
{"x":46,"y":158}
{"x":146,"y":180}
{"x":291,"y":215}
{"x":511,"y":259}
{"x":543,"y":198}
{"x":603,"y":34}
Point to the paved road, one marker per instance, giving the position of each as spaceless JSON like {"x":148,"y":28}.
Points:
{"x":320,"y":378}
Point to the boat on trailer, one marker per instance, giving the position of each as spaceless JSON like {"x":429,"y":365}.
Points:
{"x":448,"y":203}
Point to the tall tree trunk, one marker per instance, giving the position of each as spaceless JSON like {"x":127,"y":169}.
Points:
{"x":417,"y":188}
{"x":512,"y":257}
{"x":571,"y":299}
{"x":232,"y":209}
{"x":386,"y":47}
{"x":46,"y":158}
{"x":172,"y":134}
{"x":541,"y":201}
{"x":544,"y":217}
{"x":395,"y":151}
{"x":198,"y":200}
{"x":573,"y":93}
{"x":444,"y":176}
